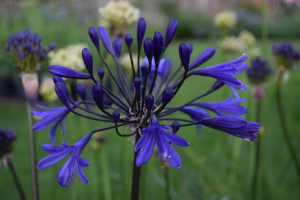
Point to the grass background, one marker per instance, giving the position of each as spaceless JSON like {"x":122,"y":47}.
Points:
{"x":215,"y":166}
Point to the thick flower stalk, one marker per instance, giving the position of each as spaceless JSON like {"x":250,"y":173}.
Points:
{"x":143,"y":102}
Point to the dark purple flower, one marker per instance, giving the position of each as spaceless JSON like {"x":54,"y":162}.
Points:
{"x":66,"y":72}
{"x":128,"y":40}
{"x":155,"y":134}
{"x":116,"y":116}
{"x":101,"y":73}
{"x":66,"y":174}
{"x":141,"y":28}
{"x":203,"y":57}
{"x":175,"y":127}
{"x":191,"y":47}
{"x":158,"y":42}
{"x":148,"y":48}
{"x":88,"y":60}
{"x":63,"y":93}
{"x":7,"y":137}
{"x":81,"y":91}
{"x":105,"y":40}
{"x":167,"y":95}
{"x":184,"y":54}
{"x":98,"y":96}
{"x":170,"y":32}
{"x":27,"y":47}
{"x":94,"y":36}
{"x":221,"y":122}
{"x":137,"y":83}
{"x":149,"y":100}
{"x":7,"y":48}
{"x":117,"y":46}
{"x":258,"y":71}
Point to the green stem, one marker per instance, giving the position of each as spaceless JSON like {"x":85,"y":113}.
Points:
{"x":136,"y":174}
{"x":284,"y":127}
{"x":168,"y":197}
{"x":105,"y":175}
{"x":257,"y":156}
{"x":33,"y":164}
{"x":16,"y":179}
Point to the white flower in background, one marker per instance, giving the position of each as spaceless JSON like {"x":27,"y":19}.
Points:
{"x":71,"y":57}
{"x":225,"y":19}
{"x":118,"y":15}
{"x":248,"y":38}
{"x":126,"y":62}
{"x":232,"y":44}
{"x":47,"y":90}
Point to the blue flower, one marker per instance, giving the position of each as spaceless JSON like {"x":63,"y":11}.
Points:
{"x":228,"y":106}
{"x":196,"y":114}
{"x":155,"y":134}
{"x":50,"y":115}
{"x":66,"y":174}
{"x":258,"y":71}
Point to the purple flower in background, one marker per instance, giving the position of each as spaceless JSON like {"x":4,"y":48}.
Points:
{"x":285,"y":55}
{"x":7,"y":137}
{"x":155,"y":134}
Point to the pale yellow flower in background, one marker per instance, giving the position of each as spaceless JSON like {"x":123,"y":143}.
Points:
{"x":248,"y":38}
{"x":126,"y":62}
{"x":118,"y":15}
{"x":225,"y":19}
{"x":47,"y":90}
{"x":253,"y":53}
{"x":232,"y":44}
{"x":71,"y":57}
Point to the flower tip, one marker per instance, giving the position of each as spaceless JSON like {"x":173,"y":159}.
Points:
{"x":88,"y":60}
{"x":170,"y":32}
{"x":101,"y":73}
{"x":141,"y":28}
{"x":148,"y":48}
{"x":128,"y":40}
{"x":167,"y":95}
{"x":94,"y":36}
{"x":184,"y":53}
{"x":117,"y":46}
{"x":158,"y":42}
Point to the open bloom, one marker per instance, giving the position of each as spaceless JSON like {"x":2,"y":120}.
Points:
{"x":66,"y":174}
{"x":155,"y":134}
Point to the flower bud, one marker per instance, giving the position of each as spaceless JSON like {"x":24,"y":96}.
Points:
{"x":149,"y":100}
{"x":19,"y":37}
{"x":52,"y":46}
{"x":88,"y":60}
{"x":191,"y":47}
{"x":105,"y":40}
{"x":26,"y":32}
{"x":184,"y":53}
{"x":175,"y":127}
{"x":203,"y":57}
{"x":170,"y":32}
{"x":128,"y":40}
{"x":101,"y":73}
{"x":141,"y":28}
{"x":166,"y":69}
{"x":148,"y":48}
{"x":36,"y":38}
{"x":27,"y":47}
{"x":62,"y":93}
{"x":158,"y":42}
{"x":81,"y":91}
{"x":58,"y":79}
{"x":11,"y":40}
{"x":137,"y":83}
{"x":98,"y":95}
{"x":116,"y":116}
{"x":117,"y":46}
{"x":94,"y":36}
{"x":167,"y":95}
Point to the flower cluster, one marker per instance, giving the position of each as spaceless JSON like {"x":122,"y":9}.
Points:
{"x":225,"y":19}
{"x":259,"y":71}
{"x":6,"y":141}
{"x":285,"y":56}
{"x":118,"y":15}
{"x":47,"y":90}
{"x":69,"y":56}
{"x":144,"y":105}
{"x":26,"y":51}
{"x":232,"y":44}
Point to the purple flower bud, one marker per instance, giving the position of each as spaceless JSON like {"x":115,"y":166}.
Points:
{"x":101,"y":73}
{"x":191,"y":47}
{"x":81,"y":91}
{"x":141,"y":28}
{"x":27,"y":47}
{"x":137,"y":83}
{"x":20,"y":55}
{"x":167,"y":95}
{"x":35,"y":49}
{"x":170,"y":32}
{"x":42,"y":56}
{"x":98,"y":95}
{"x":11,"y":40}
{"x":105,"y":40}
{"x":66,"y":72}
{"x":94,"y":36}
{"x":203,"y":57}
{"x":107,"y":101}
{"x":116,"y":116}
{"x":149,"y":100}
{"x":26,"y":32}
{"x":88,"y":60}
{"x":128,"y":40}
{"x":158,"y":42}
{"x":19,"y":37}
{"x":184,"y":53}
{"x":36,"y":38}
{"x":7,"y":48}
{"x":52,"y":46}
{"x":62,"y":93}
{"x":117,"y":46}
{"x":57,"y":79}
{"x":166,"y":68}
{"x":148,"y":48}
{"x":175,"y":127}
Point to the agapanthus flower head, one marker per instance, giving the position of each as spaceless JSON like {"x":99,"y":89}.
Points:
{"x":144,"y":101}
{"x":225,"y":19}
{"x":7,"y":138}
{"x":258,"y":71}
{"x":26,"y":51}
{"x":285,"y":55}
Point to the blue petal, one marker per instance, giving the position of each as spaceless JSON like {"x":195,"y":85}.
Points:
{"x":177,"y":140}
{"x":63,"y":174}
{"x":53,"y":158}
{"x":82,"y":162}
{"x":173,"y":157}
{"x":105,"y":40}
{"x":52,"y":149}
{"x":160,"y":142}
{"x":233,"y":122}
{"x":234,"y":92}
{"x":142,"y":140}
{"x":240,"y":68}
{"x":81,"y":175}
{"x":66,"y":72}
{"x":53,"y":130}
{"x":146,"y":152}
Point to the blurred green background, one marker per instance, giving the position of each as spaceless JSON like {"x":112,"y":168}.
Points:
{"x":215,"y":166}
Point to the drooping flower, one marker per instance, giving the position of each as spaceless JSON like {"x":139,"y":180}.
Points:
{"x":155,"y":134}
{"x":66,"y":174}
